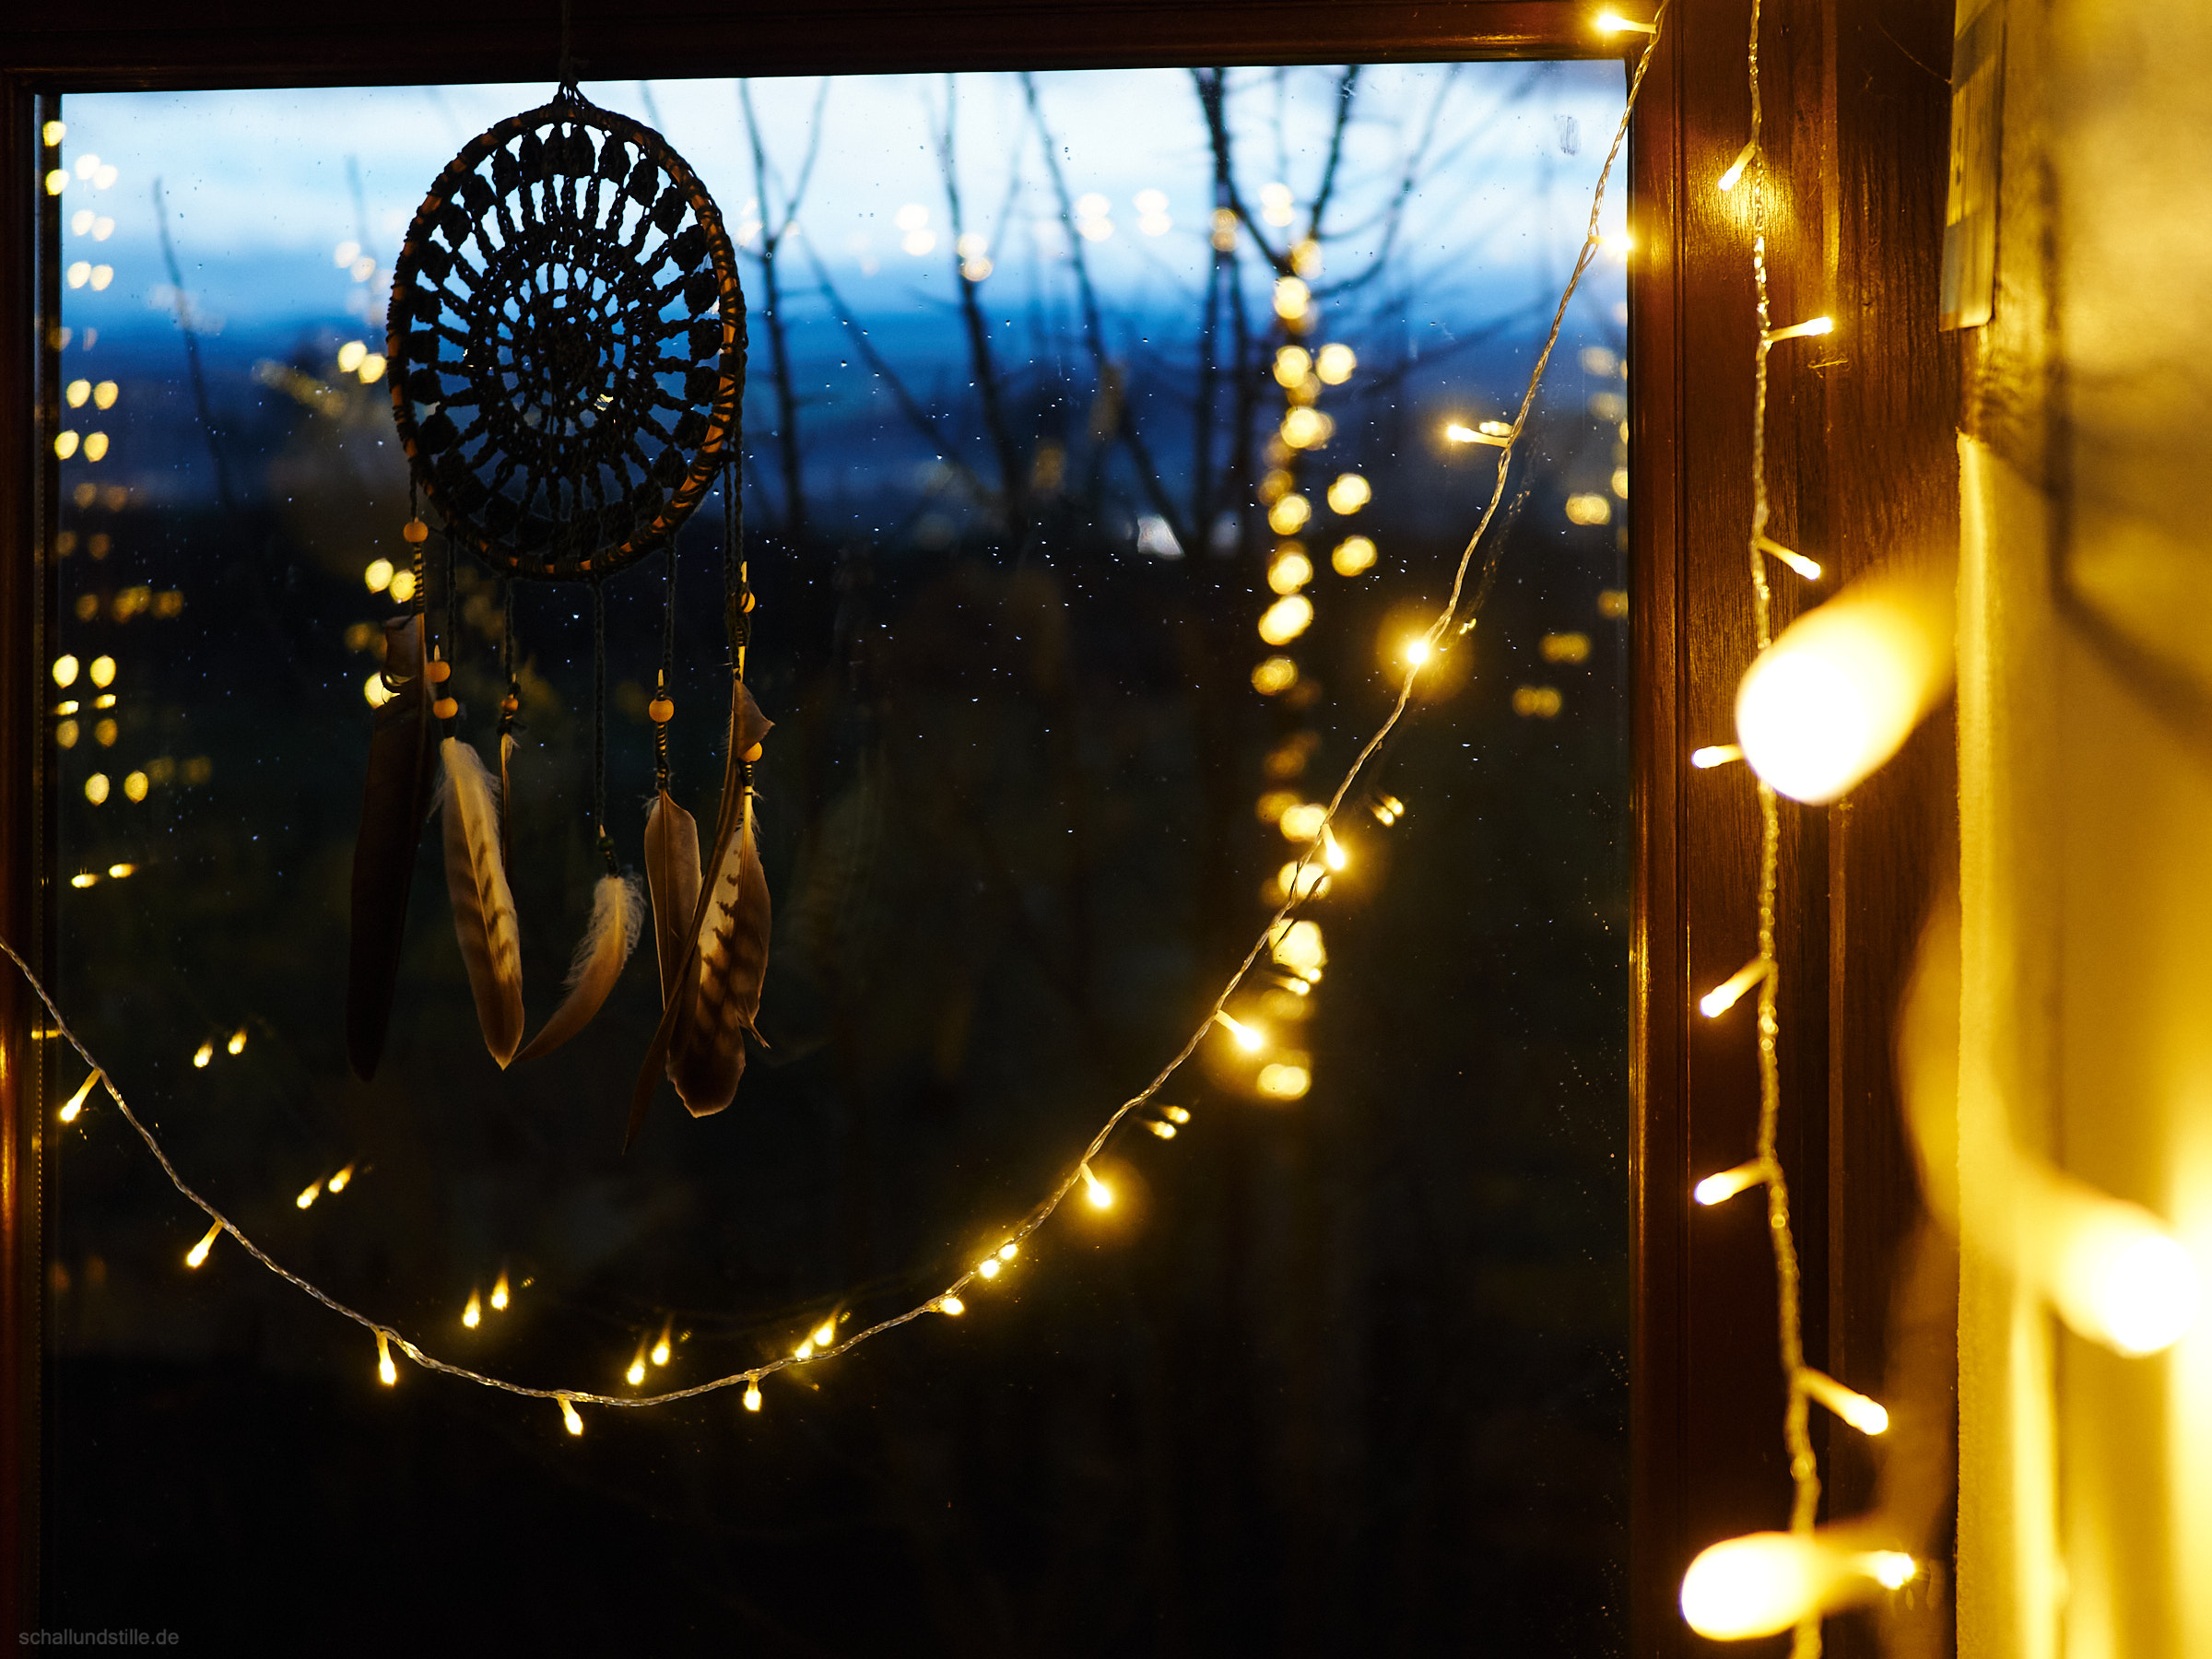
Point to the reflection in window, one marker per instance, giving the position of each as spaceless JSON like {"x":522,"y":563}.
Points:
{"x":1109,"y":437}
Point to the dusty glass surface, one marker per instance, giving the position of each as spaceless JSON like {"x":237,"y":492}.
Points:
{"x":1054,"y":659}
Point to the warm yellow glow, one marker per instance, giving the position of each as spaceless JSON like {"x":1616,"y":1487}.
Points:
{"x":84,"y":878}
{"x":309,"y":1195}
{"x":569,"y":1419}
{"x":1292,"y":364}
{"x":1285,"y":1080}
{"x":198,"y":1252}
{"x":2111,"y":1269}
{"x":1734,"y":172}
{"x":1868,"y":1416}
{"x":1303,"y":822}
{"x":95,"y":788}
{"x":1719,"y":1188}
{"x":1299,"y":947}
{"x":1892,"y":1569}
{"x":337,"y":1183}
{"x":1291,"y":571}
{"x":1007,"y":1253}
{"x":135,"y":785}
{"x":1274,"y":676}
{"x":373,"y":366}
{"x":1353,"y":554}
{"x":635,"y":1375}
{"x":988,"y":1267}
{"x":499,"y":1294}
{"x":402,"y":586}
{"x":1349,"y":493}
{"x":1589,"y":507}
{"x":752,"y":1390}
{"x":1249,"y":1039}
{"x":57,"y":181}
{"x":1796,"y":331}
{"x":1335,"y":363}
{"x":1332,"y":850}
{"x":1766,"y":1583}
{"x":64,"y":671}
{"x":201,"y":1055}
{"x":1305,"y":880}
{"x":1714,"y":754}
{"x":76,"y":392}
{"x":65,"y":445}
{"x":375,"y":691}
{"x":102,"y":671}
{"x":1097,"y":1191}
{"x":473,"y":1314}
{"x":1726,"y":996}
{"x":825,"y":1334}
{"x":103,"y":394}
{"x":1286,"y":618}
{"x":1540,"y":702}
{"x":351,"y":356}
{"x":1291,"y":298}
{"x":1612,"y":23}
{"x":1796,"y":561}
{"x":1565,"y":647}
{"x":75,"y":1102}
{"x":1418,"y":650}
{"x":386,"y":1373}
{"x":1288,"y":515}
{"x":1304,"y":427}
{"x":52,"y":132}
{"x":661,"y":1350}
{"x":1388,"y":810}
{"x":378,"y":576}
{"x":1617,"y":242}
{"x":237,"y":1044}
{"x":804,"y":1351}
{"x":1165,"y":1131}
{"x":1457,"y":433}
{"x":1175,"y":1114}
{"x":1843,"y":686}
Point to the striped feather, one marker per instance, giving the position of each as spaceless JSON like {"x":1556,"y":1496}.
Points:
{"x":484,"y":919}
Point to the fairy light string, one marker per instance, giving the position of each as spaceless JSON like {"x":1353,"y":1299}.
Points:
{"x":952,"y":1300}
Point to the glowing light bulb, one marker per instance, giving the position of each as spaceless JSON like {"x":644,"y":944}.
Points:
{"x":472,"y":1315}
{"x":1284,"y":1080}
{"x":309,"y":1195}
{"x":201,"y":1055}
{"x":569,"y":1419}
{"x":1287,"y":617}
{"x":198,"y":1252}
{"x":1353,"y":554}
{"x":75,"y":1102}
{"x":499,"y":1294}
{"x":1868,"y":1416}
{"x":1765,"y":1582}
{"x":102,"y":671}
{"x":1165,"y":1131}
{"x":1291,"y":298}
{"x":1719,"y":1188}
{"x":84,"y":878}
{"x":1418,"y":650}
{"x":1247,"y":1039}
{"x":951,"y":1304}
{"x":237,"y":1044}
{"x":659,"y":1348}
{"x":400,"y":587}
{"x":1712,"y":755}
{"x":378,"y":576}
{"x":1097,"y":1191}
{"x":1612,"y":23}
{"x":1274,"y":676}
{"x":804,"y":1351}
{"x":1335,"y":363}
{"x":1727,"y":994}
{"x":2113,"y":1271}
{"x":636,"y":1373}
{"x":752,"y":1393}
{"x":1175,"y":1114}
{"x":1331,"y":852}
{"x":825,"y":1334}
{"x":1349,"y":493}
{"x":1291,"y":366}
{"x":337,"y":1183}
{"x":1734,"y":172}
{"x":386,"y":1373}
{"x":988,"y":1267}
{"x":1798,"y":562}
{"x":65,"y":670}
{"x":1007,"y":1253}
{"x":1842,"y":690}
{"x":351,"y":356}
{"x":1797,"y":331}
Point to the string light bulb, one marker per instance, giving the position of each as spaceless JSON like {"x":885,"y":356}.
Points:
{"x":1332,"y":850}
{"x":201,"y":1055}
{"x":386,"y":1373}
{"x":472,"y":1315}
{"x":1097,"y":1191}
{"x":237,"y":1044}
{"x":1714,"y":754}
{"x":659,"y":1355}
{"x":569,"y":1419}
{"x":1804,"y":567}
{"x":752,"y":1387}
{"x":825,"y":1334}
{"x":1868,"y":1416}
{"x":1007,"y":1251}
{"x":1719,"y":1188}
{"x":1798,"y":331}
{"x":337,"y":1183}
{"x":499,"y":1293}
{"x":1175,"y":1114}
{"x":1730,"y":991}
{"x":308,"y":1195}
{"x":198,"y":1252}
{"x":1841,"y":688}
{"x":987,"y":1267}
{"x":950,"y":1304}
{"x":1613,"y":23}
{"x":1249,"y":1039}
{"x":1764,"y":1584}
{"x":1734,"y":174}
{"x":75,"y":1102}
{"x":1166,"y":1131}
{"x":2112,"y":1270}
{"x":636,"y":1373}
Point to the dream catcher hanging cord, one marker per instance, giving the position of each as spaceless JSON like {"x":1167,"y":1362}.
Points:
{"x":1448,"y":620}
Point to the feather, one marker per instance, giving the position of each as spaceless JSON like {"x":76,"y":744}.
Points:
{"x":724,"y":950}
{"x":396,"y":802}
{"x":484,"y":918}
{"x":672,"y":875}
{"x":507,"y":747}
{"x":617,"y":914}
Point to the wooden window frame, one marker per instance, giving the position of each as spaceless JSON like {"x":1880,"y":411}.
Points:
{"x":1862,"y":456}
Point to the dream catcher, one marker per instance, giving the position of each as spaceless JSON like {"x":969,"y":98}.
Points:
{"x":567,"y":350}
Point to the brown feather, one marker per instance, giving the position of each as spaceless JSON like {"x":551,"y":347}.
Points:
{"x":396,"y":802}
{"x":705,"y":1056}
{"x":672,"y":875}
{"x":484,"y":919}
{"x":617,"y":913}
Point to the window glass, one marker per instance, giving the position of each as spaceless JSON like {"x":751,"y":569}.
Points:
{"x":1106,"y":437}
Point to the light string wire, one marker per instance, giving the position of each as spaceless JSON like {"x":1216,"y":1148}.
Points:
{"x":1804,"y":1467}
{"x":945,"y":1300}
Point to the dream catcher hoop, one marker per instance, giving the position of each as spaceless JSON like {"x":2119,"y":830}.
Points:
{"x":567,"y":344}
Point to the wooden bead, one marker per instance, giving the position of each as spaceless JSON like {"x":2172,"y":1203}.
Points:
{"x":661,"y":710}
{"x":752,"y":754}
{"x":445,"y":708}
{"x":510,"y":704}
{"x":749,"y":600}
{"x":438,"y":671}
{"x":416,"y":531}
